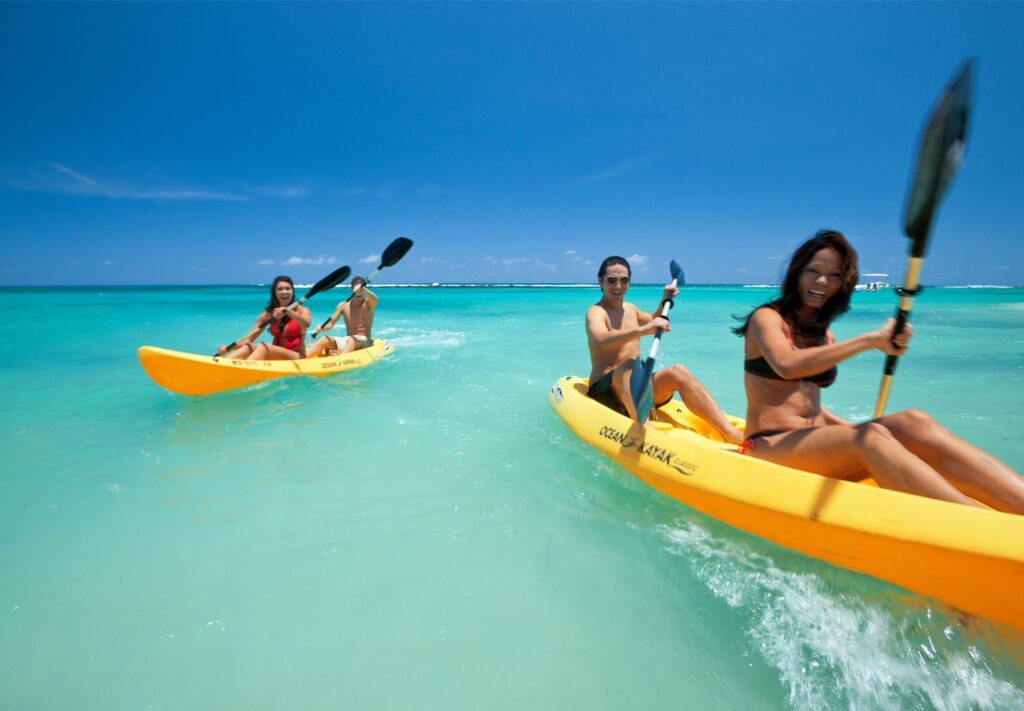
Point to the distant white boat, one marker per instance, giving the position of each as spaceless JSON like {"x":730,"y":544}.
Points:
{"x":872,"y":282}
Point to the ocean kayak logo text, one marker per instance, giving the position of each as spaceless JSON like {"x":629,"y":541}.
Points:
{"x":648,"y":450}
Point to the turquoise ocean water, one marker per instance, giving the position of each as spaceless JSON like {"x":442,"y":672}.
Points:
{"x":425,"y":533}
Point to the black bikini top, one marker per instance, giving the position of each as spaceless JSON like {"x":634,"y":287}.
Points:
{"x":763,"y":369}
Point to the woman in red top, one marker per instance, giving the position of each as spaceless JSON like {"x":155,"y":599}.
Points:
{"x":287,"y":327}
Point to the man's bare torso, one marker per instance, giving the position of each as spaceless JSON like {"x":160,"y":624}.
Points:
{"x":605,"y":359}
{"x":358,"y":317}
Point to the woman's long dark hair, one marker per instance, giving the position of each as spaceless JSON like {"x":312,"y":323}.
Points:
{"x":789,"y":302}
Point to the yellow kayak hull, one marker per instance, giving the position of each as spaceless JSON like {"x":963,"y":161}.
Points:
{"x":971,"y":559}
{"x":191,"y":374}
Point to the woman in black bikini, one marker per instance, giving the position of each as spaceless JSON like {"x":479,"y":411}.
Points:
{"x":789,"y":355}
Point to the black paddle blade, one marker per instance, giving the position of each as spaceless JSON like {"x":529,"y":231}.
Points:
{"x":395,"y":251}
{"x":677,"y":273}
{"x":332,"y":279}
{"x":939,"y":156}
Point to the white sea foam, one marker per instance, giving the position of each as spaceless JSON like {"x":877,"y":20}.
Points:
{"x":976,"y":286}
{"x":418,"y":338}
{"x":833,"y":650}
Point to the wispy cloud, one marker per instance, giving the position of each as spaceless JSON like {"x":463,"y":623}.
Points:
{"x":296,"y":261}
{"x":286,"y":193}
{"x":574,"y":257}
{"x":622,"y":168}
{"x":84,"y":185}
{"x":384,"y":192}
{"x":639,"y":262}
{"x":372,"y":259}
{"x":76,"y":175}
{"x":265,"y":262}
{"x":522,"y":261}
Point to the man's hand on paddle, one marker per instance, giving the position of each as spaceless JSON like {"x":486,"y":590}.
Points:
{"x":656,"y":323}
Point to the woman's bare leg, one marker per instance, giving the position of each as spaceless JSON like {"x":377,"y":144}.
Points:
{"x":971,"y":470}
{"x":845,"y":451}
{"x":279,"y":353}
{"x":243,"y":351}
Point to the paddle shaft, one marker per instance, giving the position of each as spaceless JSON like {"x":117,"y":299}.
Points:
{"x":643,"y":398}
{"x":939,"y":155}
{"x":907,"y":293}
{"x":665,"y":308}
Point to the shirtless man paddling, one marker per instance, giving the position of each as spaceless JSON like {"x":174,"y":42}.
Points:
{"x":614,"y":328}
{"x":358,"y":314}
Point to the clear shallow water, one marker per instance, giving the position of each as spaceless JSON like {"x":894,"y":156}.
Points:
{"x":426,"y":533}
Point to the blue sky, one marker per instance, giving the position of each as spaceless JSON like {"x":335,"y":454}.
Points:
{"x":227,"y":143}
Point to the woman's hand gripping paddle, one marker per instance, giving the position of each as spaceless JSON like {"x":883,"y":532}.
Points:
{"x":394,"y":252}
{"x":337,"y":276}
{"x":642,"y":375}
{"x":939,"y":156}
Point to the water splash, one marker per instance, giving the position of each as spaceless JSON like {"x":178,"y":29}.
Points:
{"x":832,"y":649}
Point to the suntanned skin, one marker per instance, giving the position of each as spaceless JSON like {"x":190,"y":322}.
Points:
{"x":614,"y":328}
{"x":248,"y":350}
{"x":906,"y":451}
{"x":358,"y":314}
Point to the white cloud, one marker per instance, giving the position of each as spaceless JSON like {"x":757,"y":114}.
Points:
{"x":77,"y":176}
{"x":574,"y":257}
{"x":372,"y":259}
{"x":638,"y":260}
{"x":295,"y":261}
{"x":265,"y":262}
{"x":87,"y":186}
{"x":627,"y":166}
{"x":287,"y":193}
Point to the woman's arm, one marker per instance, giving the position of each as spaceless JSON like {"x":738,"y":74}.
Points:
{"x":769,"y":333}
{"x":299,"y":314}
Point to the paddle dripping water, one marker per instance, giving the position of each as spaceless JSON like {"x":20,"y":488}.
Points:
{"x":290,"y":543}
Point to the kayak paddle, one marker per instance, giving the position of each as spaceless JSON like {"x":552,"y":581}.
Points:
{"x":394,"y":252}
{"x":640,"y":378}
{"x":338,"y":275}
{"x":939,"y":155}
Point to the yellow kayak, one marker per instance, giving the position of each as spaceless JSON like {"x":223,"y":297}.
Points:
{"x":971,"y":559}
{"x":191,"y":374}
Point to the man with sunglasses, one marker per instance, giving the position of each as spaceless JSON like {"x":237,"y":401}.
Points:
{"x":614,"y":328}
